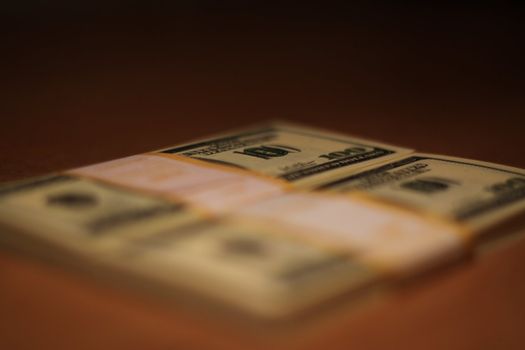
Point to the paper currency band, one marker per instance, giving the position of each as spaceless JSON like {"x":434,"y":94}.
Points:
{"x":212,"y":187}
{"x":390,"y":239}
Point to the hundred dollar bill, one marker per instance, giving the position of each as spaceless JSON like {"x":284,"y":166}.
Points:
{"x":300,"y":155}
{"x":478,"y":193}
{"x":137,"y":240}
{"x":251,"y":265}
{"x":84,"y":217}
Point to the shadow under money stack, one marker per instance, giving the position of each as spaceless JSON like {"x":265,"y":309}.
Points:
{"x":271,"y":220}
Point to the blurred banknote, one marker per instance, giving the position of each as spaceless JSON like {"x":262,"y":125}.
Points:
{"x":479,"y":194}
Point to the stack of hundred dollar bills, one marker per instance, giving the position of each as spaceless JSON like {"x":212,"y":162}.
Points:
{"x":271,"y":220}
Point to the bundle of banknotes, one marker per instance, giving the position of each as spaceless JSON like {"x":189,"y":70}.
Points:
{"x":272,"y":219}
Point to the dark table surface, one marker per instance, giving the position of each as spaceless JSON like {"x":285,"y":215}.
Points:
{"x":81,"y":87}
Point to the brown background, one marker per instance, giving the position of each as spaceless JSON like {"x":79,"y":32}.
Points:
{"x":85,"y":83}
